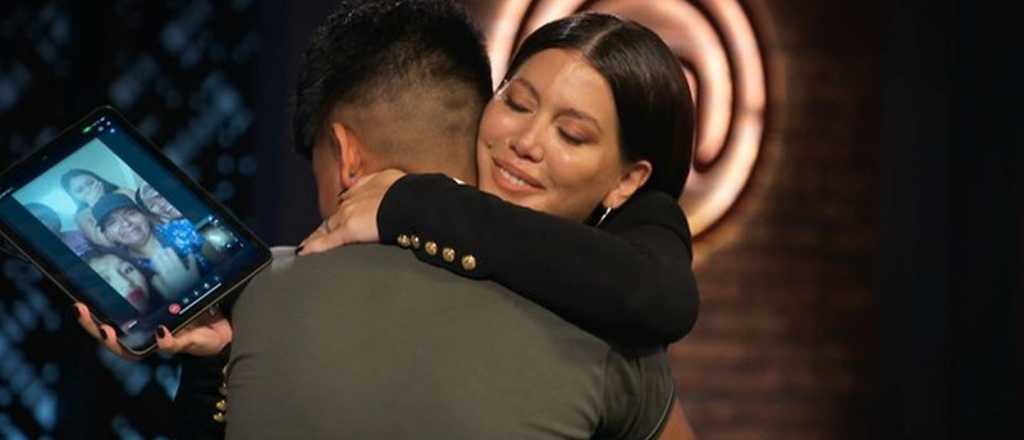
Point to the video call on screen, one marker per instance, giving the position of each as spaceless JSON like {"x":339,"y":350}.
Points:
{"x":137,"y":241}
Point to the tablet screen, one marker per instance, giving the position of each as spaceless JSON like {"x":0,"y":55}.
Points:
{"x":123,"y":230}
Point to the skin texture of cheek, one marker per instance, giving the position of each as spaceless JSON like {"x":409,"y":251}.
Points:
{"x":143,"y":225}
{"x":87,"y":190}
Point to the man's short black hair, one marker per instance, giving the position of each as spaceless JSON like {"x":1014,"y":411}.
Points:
{"x":369,"y":50}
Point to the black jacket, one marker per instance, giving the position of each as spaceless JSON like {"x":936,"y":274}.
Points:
{"x":629,"y":280}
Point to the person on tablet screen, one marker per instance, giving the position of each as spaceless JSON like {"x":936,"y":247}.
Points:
{"x":172,"y":227}
{"x":176,"y":263}
{"x":86,"y":188}
{"x":75,"y":239}
{"x":129,"y":281}
{"x":156,"y":205}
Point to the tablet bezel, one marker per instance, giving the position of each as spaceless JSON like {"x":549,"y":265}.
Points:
{"x":74,"y":138}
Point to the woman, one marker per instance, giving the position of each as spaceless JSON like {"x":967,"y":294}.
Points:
{"x":156,"y":205}
{"x":592,"y":124}
{"x":176,"y":265}
{"x":75,"y":240}
{"x":631,"y":278}
{"x":126,"y":279}
{"x":85,"y":188}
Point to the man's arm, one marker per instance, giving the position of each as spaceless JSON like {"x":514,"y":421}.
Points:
{"x":639,"y":396}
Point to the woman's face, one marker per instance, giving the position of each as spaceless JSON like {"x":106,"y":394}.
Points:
{"x":86,"y":189}
{"x":124,"y":278}
{"x":127,"y":227}
{"x":157,"y":204}
{"x":549,"y":140}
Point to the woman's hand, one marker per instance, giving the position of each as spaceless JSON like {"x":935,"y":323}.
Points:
{"x":173,"y":276}
{"x":207,"y":335}
{"x":355,"y":220}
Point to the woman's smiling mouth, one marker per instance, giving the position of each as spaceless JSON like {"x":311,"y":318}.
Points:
{"x":512,"y":179}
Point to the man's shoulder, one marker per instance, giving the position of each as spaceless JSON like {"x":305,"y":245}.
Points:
{"x":375,"y":266}
{"x":388,"y":280}
{"x":372,"y":321}
{"x":346,"y":258}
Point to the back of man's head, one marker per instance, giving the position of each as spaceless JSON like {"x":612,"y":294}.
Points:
{"x":411,"y":78}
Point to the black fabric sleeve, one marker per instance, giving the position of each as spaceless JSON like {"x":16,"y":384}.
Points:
{"x":197,"y":397}
{"x":630,"y":281}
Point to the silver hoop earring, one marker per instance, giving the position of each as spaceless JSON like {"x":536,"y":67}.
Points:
{"x":607,"y":210}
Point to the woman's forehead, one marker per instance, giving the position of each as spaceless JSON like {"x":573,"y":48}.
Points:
{"x":558,"y":68}
{"x":568,"y":79}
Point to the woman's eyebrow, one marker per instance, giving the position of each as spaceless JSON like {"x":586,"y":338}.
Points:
{"x":578,"y":114}
{"x":529,"y":87}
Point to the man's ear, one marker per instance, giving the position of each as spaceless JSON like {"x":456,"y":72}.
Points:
{"x":350,"y":153}
{"x":633,"y":177}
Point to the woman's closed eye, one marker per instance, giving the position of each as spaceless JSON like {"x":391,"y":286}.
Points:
{"x":570,"y":137}
{"x":516,"y":106}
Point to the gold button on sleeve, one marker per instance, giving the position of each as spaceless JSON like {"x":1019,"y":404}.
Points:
{"x":448,"y":254}
{"x":222,"y":405}
{"x":403,"y":240}
{"x":219,"y":417}
{"x":469,"y":262}
{"x":414,"y":240}
{"x":430,"y":247}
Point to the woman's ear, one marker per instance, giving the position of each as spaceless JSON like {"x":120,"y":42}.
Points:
{"x":349,"y":152}
{"x":633,"y":177}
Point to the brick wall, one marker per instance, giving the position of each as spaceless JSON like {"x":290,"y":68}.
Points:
{"x":786,"y":340}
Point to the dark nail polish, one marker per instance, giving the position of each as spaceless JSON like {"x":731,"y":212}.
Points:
{"x":299,"y":249}
{"x":78,"y":313}
{"x":160,"y":333}
{"x":103,"y":334}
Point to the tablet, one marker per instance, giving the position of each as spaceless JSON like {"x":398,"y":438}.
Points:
{"x":117,"y":226}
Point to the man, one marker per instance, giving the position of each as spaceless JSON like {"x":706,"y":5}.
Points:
{"x":366,"y":341}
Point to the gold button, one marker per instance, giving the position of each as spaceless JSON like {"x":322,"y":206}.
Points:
{"x":448,"y":254}
{"x":219,"y":417}
{"x":403,"y":240}
{"x":430,"y":247}
{"x":469,"y":262}
{"x":222,"y":405}
{"x":415,"y":241}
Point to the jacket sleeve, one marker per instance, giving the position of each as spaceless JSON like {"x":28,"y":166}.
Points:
{"x":195,"y":404}
{"x":630,"y":281}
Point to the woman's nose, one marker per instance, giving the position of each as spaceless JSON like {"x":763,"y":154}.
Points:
{"x":527,"y":146}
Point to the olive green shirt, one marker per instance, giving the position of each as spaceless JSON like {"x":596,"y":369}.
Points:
{"x":368,"y":342}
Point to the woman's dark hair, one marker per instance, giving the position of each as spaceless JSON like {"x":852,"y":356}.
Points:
{"x":65,"y":182}
{"x":652,"y":98}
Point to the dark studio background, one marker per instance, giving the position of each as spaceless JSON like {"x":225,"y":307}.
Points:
{"x":865,"y":285}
